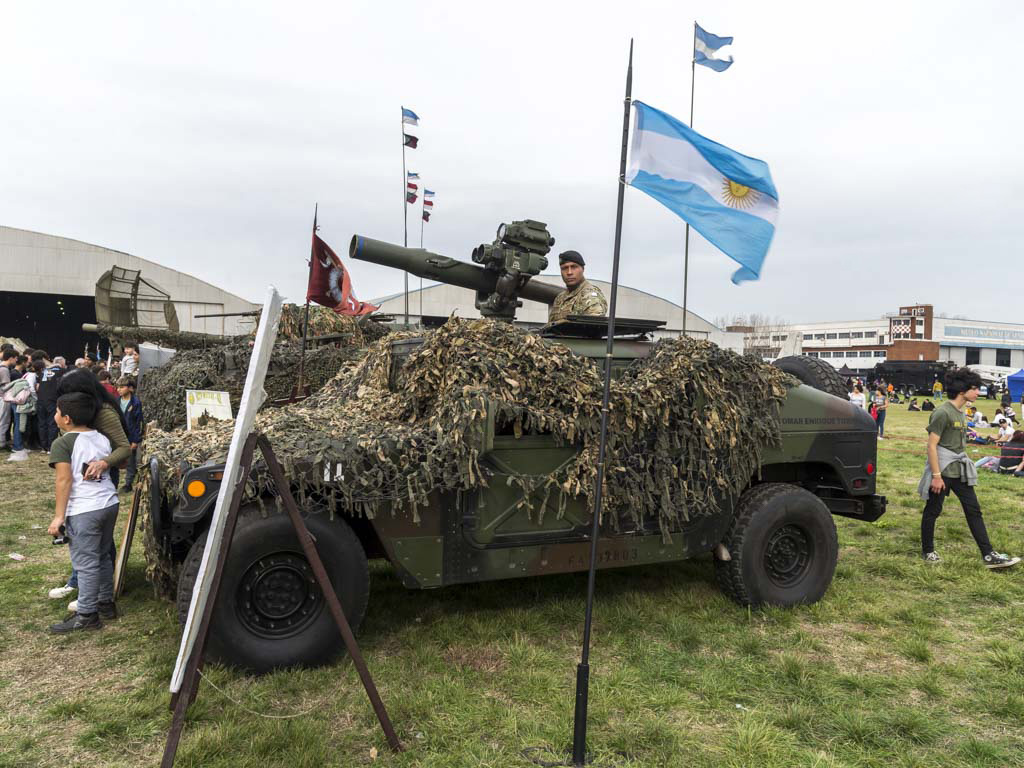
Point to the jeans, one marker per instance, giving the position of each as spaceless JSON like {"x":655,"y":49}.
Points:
{"x":91,"y":534}
{"x":17,"y":443}
{"x":5,"y":422}
{"x":73,"y":578}
{"x":47,"y":427}
{"x":131,"y":468}
{"x":972,"y":511}
{"x":880,"y":421}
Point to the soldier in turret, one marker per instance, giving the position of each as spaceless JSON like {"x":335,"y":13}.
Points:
{"x":580,"y":296}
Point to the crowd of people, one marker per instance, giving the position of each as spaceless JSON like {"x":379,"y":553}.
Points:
{"x":90,"y":422}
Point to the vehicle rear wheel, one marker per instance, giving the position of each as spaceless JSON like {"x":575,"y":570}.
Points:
{"x":814,"y":373}
{"x":783,"y":546}
{"x":271,"y":612}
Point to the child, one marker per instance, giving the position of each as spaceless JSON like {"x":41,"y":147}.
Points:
{"x":87,"y":509}
{"x":948,"y":469}
{"x":132,"y":410}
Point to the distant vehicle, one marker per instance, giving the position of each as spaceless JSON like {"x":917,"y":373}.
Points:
{"x":994,"y":374}
{"x":913,"y":376}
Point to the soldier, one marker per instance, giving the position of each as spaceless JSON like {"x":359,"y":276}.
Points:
{"x":580,"y":297}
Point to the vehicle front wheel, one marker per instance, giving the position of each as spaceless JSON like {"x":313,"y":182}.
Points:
{"x":271,"y":612}
{"x":783,"y":548}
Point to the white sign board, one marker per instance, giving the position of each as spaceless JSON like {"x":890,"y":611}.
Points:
{"x":208,"y":403}
{"x":252,"y":397}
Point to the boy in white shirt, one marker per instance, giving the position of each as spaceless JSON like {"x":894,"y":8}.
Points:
{"x":87,"y":509}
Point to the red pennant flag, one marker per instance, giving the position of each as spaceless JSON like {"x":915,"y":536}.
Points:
{"x":410,"y":141}
{"x":329,"y":283}
{"x":410,"y":197}
{"x":426,"y":215}
{"x":411,"y":186}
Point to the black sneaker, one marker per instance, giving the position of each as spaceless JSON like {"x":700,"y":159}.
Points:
{"x":108,"y":611}
{"x":995,"y":560}
{"x":75,"y":622}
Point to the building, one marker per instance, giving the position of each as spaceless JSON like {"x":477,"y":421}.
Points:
{"x":437,"y":302}
{"x":914,"y":333}
{"x":48,"y":287}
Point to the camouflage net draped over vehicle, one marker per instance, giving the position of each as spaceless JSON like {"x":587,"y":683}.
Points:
{"x":687,"y":426}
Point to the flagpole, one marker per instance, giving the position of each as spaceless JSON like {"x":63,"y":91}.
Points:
{"x":305,"y":319}
{"x":686,"y":250}
{"x":423,"y":207}
{"x":579,"y":735}
{"x":405,"y":217}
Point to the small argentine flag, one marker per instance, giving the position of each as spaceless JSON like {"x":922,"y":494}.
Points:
{"x":704,"y":47}
{"x":728,"y":197}
{"x":410,"y":117}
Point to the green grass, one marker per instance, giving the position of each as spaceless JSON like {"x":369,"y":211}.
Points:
{"x":901,"y":664}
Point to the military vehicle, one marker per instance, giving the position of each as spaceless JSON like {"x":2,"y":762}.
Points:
{"x":776,"y":544}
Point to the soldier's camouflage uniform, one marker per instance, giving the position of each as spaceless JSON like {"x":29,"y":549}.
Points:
{"x":584,"y":299}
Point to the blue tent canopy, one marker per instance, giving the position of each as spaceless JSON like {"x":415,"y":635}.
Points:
{"x":1015,"y":381}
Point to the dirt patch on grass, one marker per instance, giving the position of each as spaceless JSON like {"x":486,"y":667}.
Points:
{"x":478,"y":658}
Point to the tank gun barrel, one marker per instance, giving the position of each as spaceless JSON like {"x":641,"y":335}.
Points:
{"x":443,"y":269}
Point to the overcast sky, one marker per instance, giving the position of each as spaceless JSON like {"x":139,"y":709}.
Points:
{"x":200,"y":137}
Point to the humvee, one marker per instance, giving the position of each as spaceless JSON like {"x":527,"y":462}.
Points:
{"x":775,"y":544}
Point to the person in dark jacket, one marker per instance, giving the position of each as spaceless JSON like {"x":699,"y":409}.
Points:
{"x":131,"y":407}
{"x":46,"y":405}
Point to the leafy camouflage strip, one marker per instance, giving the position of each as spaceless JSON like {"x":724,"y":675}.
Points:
{"x":688,"y":424}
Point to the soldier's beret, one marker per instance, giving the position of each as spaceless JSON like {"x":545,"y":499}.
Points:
{"x":573,"y":256}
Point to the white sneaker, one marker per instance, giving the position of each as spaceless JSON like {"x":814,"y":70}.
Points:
{"x":59,"y":593}
{"x":21,"y":455}
{"x":73,"y":606}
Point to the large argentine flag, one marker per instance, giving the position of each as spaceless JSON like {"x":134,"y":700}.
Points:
{"x":728,"y":197}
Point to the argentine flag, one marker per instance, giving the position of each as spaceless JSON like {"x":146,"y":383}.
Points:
{"x":704,"y":47}
{"x":728,"y":197}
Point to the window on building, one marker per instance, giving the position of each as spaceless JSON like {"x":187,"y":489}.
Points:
{"x":879,"y":353}
{"x":881,"y":338}
{"x":812,"y":354}
{"x":857,"y":335}
{"x":819,"y":337}
{"x":824,"y":354}
{"x":844,"y":335}
{"x":973,"y":356}
{"x":831,"y":335}
{"x":866,"y":353}
{"x":1003,"y":357}
{"x":808,"y":337}
{"x":783,"y":337}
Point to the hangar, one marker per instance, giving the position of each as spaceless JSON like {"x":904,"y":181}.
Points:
{"x":48,"y":287}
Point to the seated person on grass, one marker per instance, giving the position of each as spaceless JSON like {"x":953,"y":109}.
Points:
{"x":86,"y":509}
{"x":1011,"y":455}
{"x":913,"y":405}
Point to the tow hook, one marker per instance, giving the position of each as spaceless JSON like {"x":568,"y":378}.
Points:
{"x":722,"y":552}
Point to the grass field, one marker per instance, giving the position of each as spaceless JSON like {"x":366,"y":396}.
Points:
{"x":901,"y":664}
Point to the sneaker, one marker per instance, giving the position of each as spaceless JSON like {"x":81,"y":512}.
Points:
{"x":931,"y":557}
{"x":76,"y":622}
{"x":108,"y":611}
{"x":73,"y":606}
{"x":59,"y":593}
{"x":995,"y":560}
{"x":21,"y":455}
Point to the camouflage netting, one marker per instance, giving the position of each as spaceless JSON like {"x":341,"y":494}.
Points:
{"x":687,"y":427}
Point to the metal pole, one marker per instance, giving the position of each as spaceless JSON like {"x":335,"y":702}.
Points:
{"x":405,"y":218}
{"x":423,"y":207}
{"x":579,"y":733}
{"x":305,"y":319}
{"x":686,"y":251}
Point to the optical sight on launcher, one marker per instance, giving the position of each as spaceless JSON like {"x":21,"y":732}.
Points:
{"x":517,"y":254}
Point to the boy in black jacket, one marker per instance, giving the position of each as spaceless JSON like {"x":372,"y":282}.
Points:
{"x":131,"y":407}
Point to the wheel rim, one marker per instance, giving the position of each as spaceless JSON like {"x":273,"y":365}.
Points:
{"x":787,"y":555}
{"x":278,"y":596}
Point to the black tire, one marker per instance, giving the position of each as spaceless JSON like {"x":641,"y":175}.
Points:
{"x":783,"y":545}
{"x":271,"y":613}
{"x":813,"y":372}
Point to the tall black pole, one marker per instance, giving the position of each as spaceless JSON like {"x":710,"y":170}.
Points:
{"x":305,"y":317}
{"x":405,"y":216}
{"x":686,"y":253}
{"x":579,"y":731}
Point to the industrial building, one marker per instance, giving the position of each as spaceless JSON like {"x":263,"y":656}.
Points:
{"x":48,"y":287}
{"x":914,"y":333}
{"x":434,"y":303}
